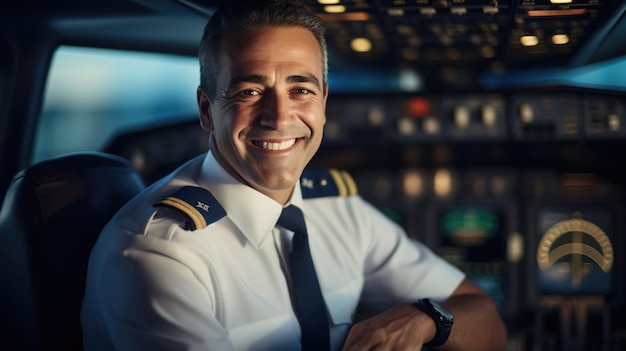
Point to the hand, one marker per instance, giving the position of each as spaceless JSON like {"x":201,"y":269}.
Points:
{"x":403,"y":327}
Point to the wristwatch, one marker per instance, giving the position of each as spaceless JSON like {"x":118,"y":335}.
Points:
{"x":442,"y":317}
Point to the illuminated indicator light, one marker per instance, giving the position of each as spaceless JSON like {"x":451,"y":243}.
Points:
{"x":376,"y":116}
{"x":490,"y":10}
{"x":556,"y":13}
{"x":458,"y":11}
{"x":327,"y":2}
{"x":515,"y":247}
{"x":613,"y":122}
{"x":335,"y":9}
{"x":559,"y":2}
{"x":395,"y":12}
{"x":461,"y":117}
{"x":419,"y":106}
{"x":428,"y":11}
{"x":431,"y":125}
{"x":443,"y":182}
{"x":529,"y":40}
{"x":489,"y":115}
{"x":560,"y":39}
{"x":526,"y":113}
{"x":413,"y":184}
{"x":361,"y":44}
{"x":406,"y":126}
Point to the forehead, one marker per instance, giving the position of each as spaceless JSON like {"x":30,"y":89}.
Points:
{"x":291,"y":45}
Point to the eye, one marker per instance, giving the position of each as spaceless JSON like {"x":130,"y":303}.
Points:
{"x":303,"y":91}
{"x":245,"y":94}
{"x":248,"y":93}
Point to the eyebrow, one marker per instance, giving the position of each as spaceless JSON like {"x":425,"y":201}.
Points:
{"x":304,"y":79}
{"x":255,"y":78}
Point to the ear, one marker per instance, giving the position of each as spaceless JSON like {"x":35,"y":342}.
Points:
{"x":204,"y":110}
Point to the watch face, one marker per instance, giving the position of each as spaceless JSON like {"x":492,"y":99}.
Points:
{"x":447,"y":316}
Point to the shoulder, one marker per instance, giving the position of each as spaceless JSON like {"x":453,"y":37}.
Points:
{"x":327,"y":183}
{"x":196,"y":208}
{"x":195,"y":205}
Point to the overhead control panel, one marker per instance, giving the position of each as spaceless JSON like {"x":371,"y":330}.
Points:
{"x":448,"y":40}
{"x":515,"y":117}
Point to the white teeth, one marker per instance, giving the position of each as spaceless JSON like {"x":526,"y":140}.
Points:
{"x":275,"y":146}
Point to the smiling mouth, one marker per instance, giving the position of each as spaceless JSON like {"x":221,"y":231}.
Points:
{"x":274,"y":146}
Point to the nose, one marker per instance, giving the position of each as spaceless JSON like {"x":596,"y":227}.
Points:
{"x":276,"y":112}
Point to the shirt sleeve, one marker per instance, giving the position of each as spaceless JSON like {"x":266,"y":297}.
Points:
{"x":399,"y":269}
{"x":151,"y":300}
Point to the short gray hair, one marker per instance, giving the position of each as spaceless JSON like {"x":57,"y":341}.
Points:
{"x":238,"y":16}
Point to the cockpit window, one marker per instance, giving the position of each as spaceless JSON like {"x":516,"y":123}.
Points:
{"x":92,"y":94}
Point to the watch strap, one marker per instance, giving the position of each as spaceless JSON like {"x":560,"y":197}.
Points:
{"x":442,"y":318}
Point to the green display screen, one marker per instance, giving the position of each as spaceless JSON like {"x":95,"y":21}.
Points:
{"x":472,"y":238}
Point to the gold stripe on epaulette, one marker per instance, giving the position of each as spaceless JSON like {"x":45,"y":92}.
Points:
{"x":337,"y":177}
{"x":350,"y":183}
{"x":344,"y":182}
{"x":189,"y":210}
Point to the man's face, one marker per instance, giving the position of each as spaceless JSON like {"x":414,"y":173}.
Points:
{"x":269,"y":111}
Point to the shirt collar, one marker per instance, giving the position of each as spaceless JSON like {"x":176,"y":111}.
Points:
{"x":254,"y":214}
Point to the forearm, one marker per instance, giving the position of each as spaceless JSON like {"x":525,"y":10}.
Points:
{"x":477,"y":324}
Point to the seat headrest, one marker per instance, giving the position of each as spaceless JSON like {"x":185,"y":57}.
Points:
{"x":52,"y":215}
{"x":57,"y":191}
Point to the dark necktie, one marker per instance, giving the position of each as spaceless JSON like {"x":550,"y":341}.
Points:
{"x":310,"y":306}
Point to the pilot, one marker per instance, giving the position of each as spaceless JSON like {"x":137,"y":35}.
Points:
{"x":244,"y":249}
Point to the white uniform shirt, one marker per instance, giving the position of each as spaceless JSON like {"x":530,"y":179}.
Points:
{"x":155,"y":286}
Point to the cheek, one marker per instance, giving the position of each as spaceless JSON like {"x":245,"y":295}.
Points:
{"x":316,"y":117}
{"x":231,"y":122}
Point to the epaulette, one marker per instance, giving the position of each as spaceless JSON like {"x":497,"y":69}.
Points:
{"x":197,"y":204}
{"x":327,"y":182}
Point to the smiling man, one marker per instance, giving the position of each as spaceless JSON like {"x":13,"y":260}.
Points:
{"x":244,"y":249}
{"x":268,"y":115}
